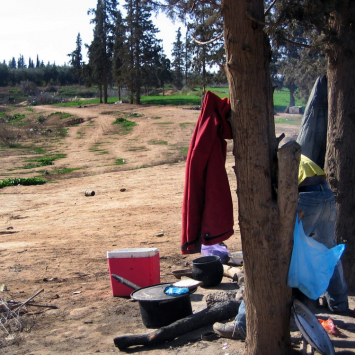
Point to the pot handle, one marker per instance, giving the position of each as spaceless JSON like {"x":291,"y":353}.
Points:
{"x":125,"y":282}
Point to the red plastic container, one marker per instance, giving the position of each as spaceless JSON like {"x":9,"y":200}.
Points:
{"x":138,"y":265}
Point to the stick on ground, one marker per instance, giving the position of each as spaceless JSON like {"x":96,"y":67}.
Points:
{"x":218,"y":312}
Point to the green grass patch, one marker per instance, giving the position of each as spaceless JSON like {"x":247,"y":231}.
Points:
{"x":157,"y":142}
{"x":65,"y":115}
{"x":288,"y":121}
{"x":30,"y":109}
{"x":44,"y":161}
{"x":184,"y":124}
{"x":125,"y":125}
{"x":63,"y":132}
{"x":65,"y":171}
{"x":38,"y":150}
{"x":184,"y":150}
{"x":177,"y":99}
{"x":282,"y":100}
{"x":120,"y":161}
{"x":135,"y":114}
{"x":156,"y":118}
{"x":17,"y":117}
{"x":21,"y":181}
{"x":137,"y":149}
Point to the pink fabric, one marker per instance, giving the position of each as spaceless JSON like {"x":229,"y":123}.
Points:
{"x":207,"y":212}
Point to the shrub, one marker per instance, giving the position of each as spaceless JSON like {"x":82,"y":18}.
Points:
{"x":9,"y":136}
{"x":28,"y":87}
{"x":51,"y":88}
{"x":21,"y":181}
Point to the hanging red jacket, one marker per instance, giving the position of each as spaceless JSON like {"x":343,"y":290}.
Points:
{"x":207,"y":211}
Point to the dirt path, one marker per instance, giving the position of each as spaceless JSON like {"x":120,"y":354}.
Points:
{"x":54,"y":237}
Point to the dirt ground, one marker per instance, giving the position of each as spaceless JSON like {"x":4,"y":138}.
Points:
{"x":55,"y":238}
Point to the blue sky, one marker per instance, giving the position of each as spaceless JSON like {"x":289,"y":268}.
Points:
{"x":49,"y":28}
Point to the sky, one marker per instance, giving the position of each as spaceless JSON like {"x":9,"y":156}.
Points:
{"x":49,"y":28}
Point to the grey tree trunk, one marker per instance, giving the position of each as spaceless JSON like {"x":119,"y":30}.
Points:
{"x":267,"y":181}
{"x":340,"y":156}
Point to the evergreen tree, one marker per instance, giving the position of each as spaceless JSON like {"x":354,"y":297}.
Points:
{"x":141,"y":49}
{"x":188,"y":55}
{"x":38,"y":63}
{"x":331,"y":22}
{"x":205,"y":25}
{"x":164,"y":73}
{"x":76,"y":59}
{"x":4,"y":74}
{"x":12,"y":63}
{"x":178,"y":64}
{"x":30,"y":63}
{"x":21,"y":62}
{"x":100,"y":55}
{"x":118,"y":53}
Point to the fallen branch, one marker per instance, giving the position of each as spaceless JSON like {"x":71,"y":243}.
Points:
{"x":29,"y":300}
{"x":16,"y":304}
{"x":219,"y":312}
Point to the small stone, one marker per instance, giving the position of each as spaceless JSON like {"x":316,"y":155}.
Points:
{"x":161,"y":234}
{"x":122,"y":190}
{"x":3,"y":288}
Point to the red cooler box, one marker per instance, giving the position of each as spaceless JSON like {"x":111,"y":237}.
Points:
{"x":138,"y":265}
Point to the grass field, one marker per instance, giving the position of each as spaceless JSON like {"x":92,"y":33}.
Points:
{"x":281,"y":99}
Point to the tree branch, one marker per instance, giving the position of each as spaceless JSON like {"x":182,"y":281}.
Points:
{"x":269,"y":8}
{"x":249,"y":16}
{"x":210,"y":41}
{"x":296,"y":43}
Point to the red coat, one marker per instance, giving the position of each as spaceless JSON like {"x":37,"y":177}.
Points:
{"x":207,"y":211}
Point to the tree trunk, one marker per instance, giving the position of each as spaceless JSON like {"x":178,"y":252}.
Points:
{"x":340,"y":156}
{"x":105,"y":85}
{"x":100,"y":93}
{"x":292,"y":95}
{"x":119,"y":91}
{"x":266,"y":182}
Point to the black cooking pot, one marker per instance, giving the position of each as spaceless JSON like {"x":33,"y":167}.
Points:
{"x":208,"y":269}
{"x":157,"y":308}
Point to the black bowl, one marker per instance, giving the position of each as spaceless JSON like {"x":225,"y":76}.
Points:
{"x":208,"y":269}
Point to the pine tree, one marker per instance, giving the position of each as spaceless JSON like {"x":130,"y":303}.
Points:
{"x":21,"y":62}
{"x":178,"y":63}
{"x":332,"y":23}
{"x":164,"y":73}
{"x":12,"y":63}
{"x":141,"y":49}
{"x":76,"y":59}
{"x":101,"y":51}
{"x":187,"y":55}
{"x":205,"y":25}
{"x":30,"y":63}
{"x":118,"y":53}
{"x":38,"y":63}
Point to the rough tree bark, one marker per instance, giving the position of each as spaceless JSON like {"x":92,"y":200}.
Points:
{"x":340,"y":156}
{"x":267,"y":181}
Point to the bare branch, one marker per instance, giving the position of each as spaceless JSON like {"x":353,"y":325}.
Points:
{"x":249,"y":16}
{"x":210,"y":41}
{"x":298,"y":44}
{"x":269,"y":8}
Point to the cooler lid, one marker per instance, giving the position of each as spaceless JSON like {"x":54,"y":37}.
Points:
{"x":311,"y":329}
{"x":132,"y":253}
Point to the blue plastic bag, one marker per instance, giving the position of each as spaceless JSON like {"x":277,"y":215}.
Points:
{"x":312,"y":263}
{"x":176,"y":291}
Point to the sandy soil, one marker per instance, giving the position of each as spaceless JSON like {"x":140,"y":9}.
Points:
{"x":55,"y":238}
